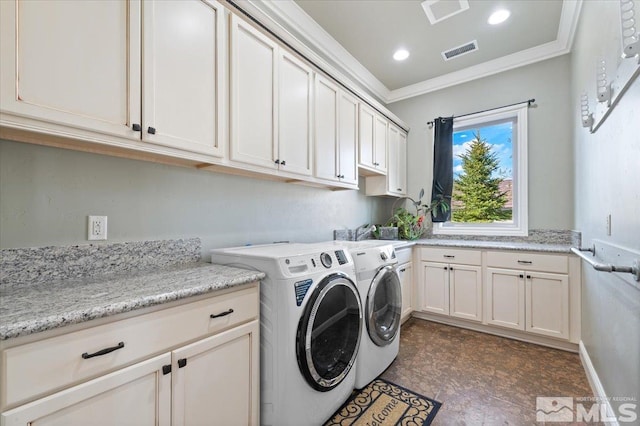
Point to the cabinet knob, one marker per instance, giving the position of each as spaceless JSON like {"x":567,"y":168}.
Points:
{"x":136,"y":127}
{"x":182,"y":362}
{"x":528,"y":277}
{"x":521,"y":276}
{"x":277,"y":161}
{"x":283,"y":163}
{"x":446,"y":268}
{"x":151,"y":130}
{"x":399,"y":189}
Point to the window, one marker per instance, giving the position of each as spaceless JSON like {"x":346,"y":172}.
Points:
{"x":490,"y":174}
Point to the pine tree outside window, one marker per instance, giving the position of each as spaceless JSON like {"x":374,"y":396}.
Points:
{"x":490,"y":174}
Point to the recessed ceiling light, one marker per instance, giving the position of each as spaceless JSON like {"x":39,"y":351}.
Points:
{"x":401,"y":54}
{"x":499,"y":16}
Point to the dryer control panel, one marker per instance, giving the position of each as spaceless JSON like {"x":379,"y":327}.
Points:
{"x":304,"y":264}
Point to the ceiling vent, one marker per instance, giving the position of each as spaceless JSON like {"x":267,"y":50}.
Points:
{"x":439,"y":10}
{"x":472,"y":46}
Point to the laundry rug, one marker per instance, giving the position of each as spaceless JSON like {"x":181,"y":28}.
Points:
{"x":383,"y":403}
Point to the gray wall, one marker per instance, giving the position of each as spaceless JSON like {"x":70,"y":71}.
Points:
{"x":550,"y":147}
{"x":46,"y":194}
{"x":607,"y":177}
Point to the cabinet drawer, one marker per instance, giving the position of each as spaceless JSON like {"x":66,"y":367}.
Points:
{"x":449,"y":255}
{"x":36,"y":368}
{"x":528,"y":261}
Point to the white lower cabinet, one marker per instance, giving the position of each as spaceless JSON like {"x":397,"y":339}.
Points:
{"x":535,"y":294}
{"x":534,"y":297}
{"x":536,"y":302}
{"x":208,"y":373}
{"x":214,"y":382}
{"x":449,"y":288}
{"x":405,"y":272}
{"x":136,"y":395}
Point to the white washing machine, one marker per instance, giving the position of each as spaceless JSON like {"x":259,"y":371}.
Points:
{"x":381,"y":293}
{"x":311,"y":322}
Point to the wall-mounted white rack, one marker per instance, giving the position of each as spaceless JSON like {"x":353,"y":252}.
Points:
{"x":627,"y":71}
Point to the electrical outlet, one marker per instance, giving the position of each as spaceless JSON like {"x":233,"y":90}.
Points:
{"x":97,"y":228}
{"x":609,"y":225}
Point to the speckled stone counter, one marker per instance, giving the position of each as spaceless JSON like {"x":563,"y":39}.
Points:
{"x":28,"y":309}
{"x":496,"y":245}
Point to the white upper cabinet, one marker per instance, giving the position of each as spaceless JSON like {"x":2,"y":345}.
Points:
{"x":395,"y":182}
{"x":270,"y":103}
{"x":347,"y":138}
{"x":372,"y":141}
{"x":380,"y":143}
{"x":336,"y":133}
{"x":326,"y":129}
{"x":294,"y":115}
{"x":397,"y":172}
{"x":253,"y":89}
{"x":72,"y":63}
{"x":147,"y":71}
{"x":182,"y":68}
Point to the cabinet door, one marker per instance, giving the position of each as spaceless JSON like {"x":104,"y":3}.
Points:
{"x":326,"y":129}
{"x":435,"y":288}
{"x":253,"y":95}
{"x":547,"y":304}
{"x":380,"y":143}
{"x":465,"y":292}
{"x":505,"y":298}
{"x":348,"y":138}
{"x":366,"y":119}
{"x":294,"y":112}
{"x":393,"y":184}
{"x":136,"y":395}
{"x":182,"y":75}
{"x":219,"y":381}
{"x":405,"y":272}
{"x":72,"y":63}
{"x":401,"y":165}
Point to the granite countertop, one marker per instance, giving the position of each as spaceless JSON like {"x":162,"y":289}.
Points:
{"x":475,"y":244}
{"x":498,"y":245}
{"x":28,"y":309}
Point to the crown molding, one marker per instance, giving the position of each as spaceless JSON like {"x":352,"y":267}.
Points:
{"x":314,"y":41}
{"x":562,"y":45}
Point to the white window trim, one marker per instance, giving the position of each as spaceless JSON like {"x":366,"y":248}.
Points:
{"x":520,"y":225}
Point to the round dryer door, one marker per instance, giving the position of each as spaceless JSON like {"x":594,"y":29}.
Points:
{"x":329,"y":332}
{"x":384,"y":305}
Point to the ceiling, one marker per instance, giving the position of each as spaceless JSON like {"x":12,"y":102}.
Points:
{"x":360,"y":36}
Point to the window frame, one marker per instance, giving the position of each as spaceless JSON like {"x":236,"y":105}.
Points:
{"x":520,"y":225}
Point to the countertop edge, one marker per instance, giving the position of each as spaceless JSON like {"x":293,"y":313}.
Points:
{"x":51,"y":322}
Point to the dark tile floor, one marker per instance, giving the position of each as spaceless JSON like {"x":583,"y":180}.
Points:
{"x":482,"y":379}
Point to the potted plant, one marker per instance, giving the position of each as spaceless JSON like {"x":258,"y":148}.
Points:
{"x":411,"y":226}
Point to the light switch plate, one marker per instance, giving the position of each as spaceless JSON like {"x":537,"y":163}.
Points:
{"x":97,"y":228}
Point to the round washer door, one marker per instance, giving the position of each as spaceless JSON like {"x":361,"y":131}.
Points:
{"x":329,"y":332}
{"x":384,"y":306}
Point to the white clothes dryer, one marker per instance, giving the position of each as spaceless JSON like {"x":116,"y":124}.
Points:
{"x":381,"y":293}
{"x":311,"y":322}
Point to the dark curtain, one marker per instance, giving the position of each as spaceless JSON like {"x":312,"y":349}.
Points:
{"x":442,"y":168}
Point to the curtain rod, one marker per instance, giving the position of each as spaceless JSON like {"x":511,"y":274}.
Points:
{"x":528,"y":102}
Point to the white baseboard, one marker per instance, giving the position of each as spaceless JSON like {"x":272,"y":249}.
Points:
{"x":594,"y":381}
